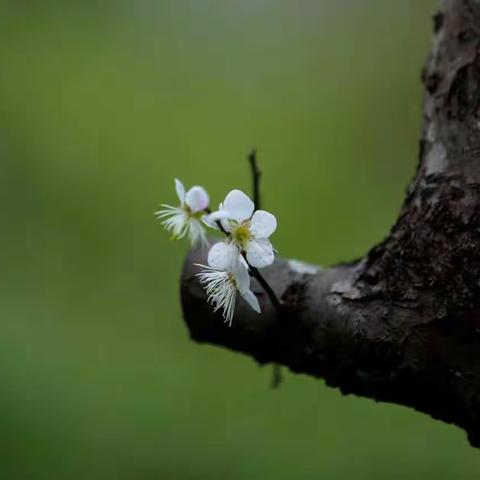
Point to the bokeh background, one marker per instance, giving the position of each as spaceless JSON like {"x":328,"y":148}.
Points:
{"x":102,"y":104}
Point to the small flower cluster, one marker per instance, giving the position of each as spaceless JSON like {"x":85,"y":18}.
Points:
{"x":246,"y":244}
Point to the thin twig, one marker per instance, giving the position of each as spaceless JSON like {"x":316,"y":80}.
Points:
{"x":255,"y":273}
{"x":218,"y":223}
{"x":256,"y":174}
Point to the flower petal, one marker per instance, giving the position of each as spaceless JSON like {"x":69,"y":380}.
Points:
{"x":210,"y":222}
{"x":220,"y":215}
{"x":260,"y":253}
{"x":263,"y":224}
{"x":180,"y":189}
{"x":242,"y":280}
{"x":222,"y":256}
{"x":240,"y":272}
{"x":238,"y":206}
{"x":252,"y":300}
{"x":197,"y":199}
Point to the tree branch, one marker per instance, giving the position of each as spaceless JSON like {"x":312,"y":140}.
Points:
{"x":403,"y":324}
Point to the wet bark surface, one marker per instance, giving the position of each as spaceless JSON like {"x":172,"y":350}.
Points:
{"x":403,"y":324}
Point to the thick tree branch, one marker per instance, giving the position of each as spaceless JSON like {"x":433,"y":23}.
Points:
{"x":403,"y":324}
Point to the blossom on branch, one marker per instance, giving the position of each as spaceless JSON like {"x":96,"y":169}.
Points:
{"x":227,"y":273}
{"x":230,"y":263}
{"x":187,"y":218}
{"x":248,"y":230}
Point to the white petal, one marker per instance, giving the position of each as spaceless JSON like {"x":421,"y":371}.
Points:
{"x":238,"y":206}
{"x":180,"y":190}
{"x":209,"y":222}
{"x":240,"y":271}
{"x":260,"y":253}
{"x":220,"y":215}
{"x":263,"y":224}
{"x":197,"y":199}
{"x":243,"y":261}
{"x":222,"y":256}
{"x":252,"y":300}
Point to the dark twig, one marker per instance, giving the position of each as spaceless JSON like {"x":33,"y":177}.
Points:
{"x":256,"y":174}
{"x":255,"y":273}
{"x":219,"y":223}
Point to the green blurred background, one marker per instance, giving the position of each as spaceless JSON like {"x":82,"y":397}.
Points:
{"x":102,"y":104}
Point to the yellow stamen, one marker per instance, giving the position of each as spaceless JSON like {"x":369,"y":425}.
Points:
{"x":241,"y":234}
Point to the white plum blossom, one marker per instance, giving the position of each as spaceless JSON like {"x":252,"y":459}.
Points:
{"x":248,"y":231}
{"x":227,"y":273}
{"x":231,"y":262}
{"x":187,"y":218}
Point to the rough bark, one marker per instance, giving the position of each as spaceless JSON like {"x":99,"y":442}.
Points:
{"x":403,"y":324}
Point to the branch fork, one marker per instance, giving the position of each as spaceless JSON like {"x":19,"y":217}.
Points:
{"x":402,"y":324}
